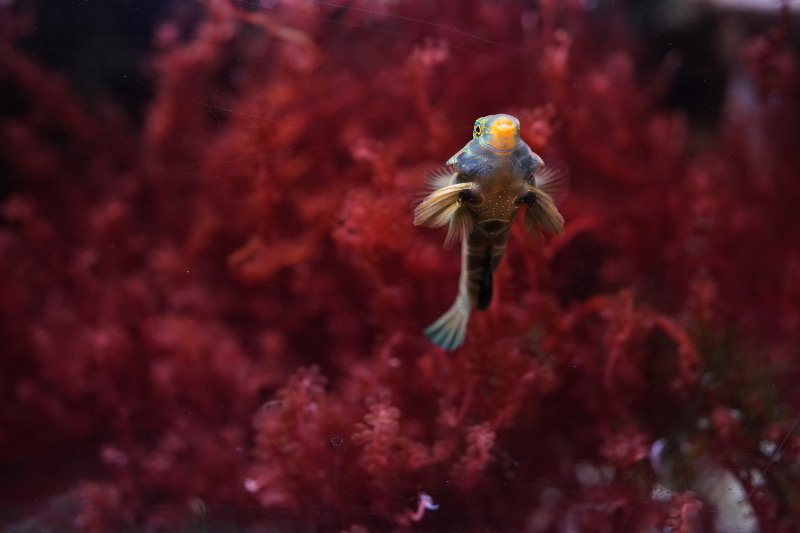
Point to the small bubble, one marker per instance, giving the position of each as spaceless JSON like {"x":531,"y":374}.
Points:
{"x":336,"y":441}
{"x":757,"y":478}
{"x":250,"y":485}
{"x":550,"y":496}
{"x":587,"y":474}
{"x":768,"y":448}
{"x":197,"y":506}
{"x":272,"y":404}
{"x":114,"y":456}
{"x":660,"y":493}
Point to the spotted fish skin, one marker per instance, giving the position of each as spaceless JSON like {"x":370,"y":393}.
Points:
{"x":490,"y":180}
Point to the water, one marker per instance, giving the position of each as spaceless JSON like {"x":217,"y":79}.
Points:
{"x":214,"y":295}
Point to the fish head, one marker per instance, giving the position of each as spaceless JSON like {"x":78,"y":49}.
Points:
{"x":499,"y":133}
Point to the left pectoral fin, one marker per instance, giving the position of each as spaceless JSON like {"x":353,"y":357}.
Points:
{"x":552,"y":179}
{"x":541,"y":213}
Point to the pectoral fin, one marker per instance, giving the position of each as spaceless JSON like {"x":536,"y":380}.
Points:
{"x":441,"y":177}
{"x":552,"y":179}
{"x":541,"y":213}
{"x":445,"y":206}
{"x":460,"y":226}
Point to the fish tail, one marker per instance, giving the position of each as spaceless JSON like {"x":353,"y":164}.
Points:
{"x":449,"y":330}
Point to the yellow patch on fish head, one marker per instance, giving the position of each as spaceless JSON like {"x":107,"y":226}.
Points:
{"x":500,"y":133}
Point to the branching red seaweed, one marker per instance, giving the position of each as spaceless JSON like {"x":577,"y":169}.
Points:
{"x":216,"y":317}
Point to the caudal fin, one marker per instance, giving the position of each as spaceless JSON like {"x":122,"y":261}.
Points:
{"x":450,"y":329}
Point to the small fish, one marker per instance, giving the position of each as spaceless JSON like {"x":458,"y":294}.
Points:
{"x":478,"y":195}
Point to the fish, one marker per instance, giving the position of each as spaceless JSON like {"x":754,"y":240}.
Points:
{"x":477,"y":195}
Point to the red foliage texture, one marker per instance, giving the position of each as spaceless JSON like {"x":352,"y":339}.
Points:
{"x":216,"y":318}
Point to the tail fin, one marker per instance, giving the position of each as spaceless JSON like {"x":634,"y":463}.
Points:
{"x":450,"y":329}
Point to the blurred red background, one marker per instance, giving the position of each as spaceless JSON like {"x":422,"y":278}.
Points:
{"x":213,"y":298}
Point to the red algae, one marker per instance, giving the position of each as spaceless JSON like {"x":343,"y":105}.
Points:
{"x":215,"y":319}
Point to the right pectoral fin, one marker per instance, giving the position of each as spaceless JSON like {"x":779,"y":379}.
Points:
{"x":444,"y":206}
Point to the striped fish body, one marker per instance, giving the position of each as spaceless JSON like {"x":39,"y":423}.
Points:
{"x":481,"y":256}
{"x":479,"y":196}
{"x":500,"y":183}
{"x":500,"y":186}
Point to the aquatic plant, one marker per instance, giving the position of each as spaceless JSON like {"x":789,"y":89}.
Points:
{"x":216,"y":317}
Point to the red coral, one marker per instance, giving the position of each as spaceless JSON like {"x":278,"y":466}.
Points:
{"x":684,"y":517}
{"x":480,"y":441}
{"x":378,"y":435}
{"x":215,"y":318}
{"x":625,"y":449}
{"x":291,"y":433}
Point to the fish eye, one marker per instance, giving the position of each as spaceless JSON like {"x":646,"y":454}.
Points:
{"x":478,"y":129}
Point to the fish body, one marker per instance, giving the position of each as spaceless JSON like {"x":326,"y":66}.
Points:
{"x":478,"y":195}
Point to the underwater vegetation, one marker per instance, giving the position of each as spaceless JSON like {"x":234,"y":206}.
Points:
{"x":213,"y":320}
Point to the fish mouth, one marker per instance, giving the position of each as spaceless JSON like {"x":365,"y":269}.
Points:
{"x":503,"y":135}
{"x":503,"y":124}
{"x":492,"y":227}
